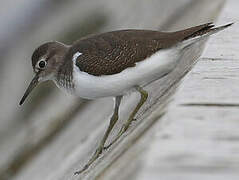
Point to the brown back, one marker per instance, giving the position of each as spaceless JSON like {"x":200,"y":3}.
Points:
{"x":112,"y":52}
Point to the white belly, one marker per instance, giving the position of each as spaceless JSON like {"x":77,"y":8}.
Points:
{"x":152,"y":68}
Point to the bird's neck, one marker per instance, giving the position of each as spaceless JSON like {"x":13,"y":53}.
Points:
{"x":64,"y":78}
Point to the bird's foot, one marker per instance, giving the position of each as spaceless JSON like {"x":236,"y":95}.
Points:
{"x":95,"y":156}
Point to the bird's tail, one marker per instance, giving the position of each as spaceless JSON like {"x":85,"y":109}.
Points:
{"x":206,"y":31}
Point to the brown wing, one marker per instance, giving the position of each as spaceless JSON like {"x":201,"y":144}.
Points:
{"x":112,"y":52}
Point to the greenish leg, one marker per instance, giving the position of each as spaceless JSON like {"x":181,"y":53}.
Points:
{"x":144,"y":96}
{"x":100,"y":148}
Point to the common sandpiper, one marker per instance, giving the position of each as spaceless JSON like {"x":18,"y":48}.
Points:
{"x":112,"y":64}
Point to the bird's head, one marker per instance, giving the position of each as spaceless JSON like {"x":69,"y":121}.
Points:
{"x":46,"y":61}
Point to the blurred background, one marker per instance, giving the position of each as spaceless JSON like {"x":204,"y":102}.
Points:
{"x":40,"y":139}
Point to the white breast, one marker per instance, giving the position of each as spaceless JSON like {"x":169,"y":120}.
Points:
{"x":90,"y":86}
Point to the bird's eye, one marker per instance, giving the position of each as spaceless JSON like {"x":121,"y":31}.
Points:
{"x":42,"y":64}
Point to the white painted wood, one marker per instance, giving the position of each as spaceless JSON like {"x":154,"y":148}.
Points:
{"x":28,"y":129}
{"x":227,"y":42}
{"x":196,"y":139}
{"x":66,"y":154}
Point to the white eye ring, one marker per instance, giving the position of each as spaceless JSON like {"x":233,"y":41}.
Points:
{"x":41,"y":64}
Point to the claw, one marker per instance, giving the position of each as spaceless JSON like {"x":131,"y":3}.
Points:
{"x":96,"y":155}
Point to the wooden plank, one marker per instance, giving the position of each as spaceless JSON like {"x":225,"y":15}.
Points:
{"x":198,"y":137}
{"x":228,"y":40}
{"x":73,"y":154}
{"x":24,"y":131}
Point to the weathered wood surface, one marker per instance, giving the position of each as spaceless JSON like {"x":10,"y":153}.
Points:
{"x":196,"y":138}
{"x":25,"y":131}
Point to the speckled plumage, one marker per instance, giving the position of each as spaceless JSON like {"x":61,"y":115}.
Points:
{"x":112,"y":52}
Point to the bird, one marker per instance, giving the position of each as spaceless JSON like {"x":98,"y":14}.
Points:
{"x":111,"y":64}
